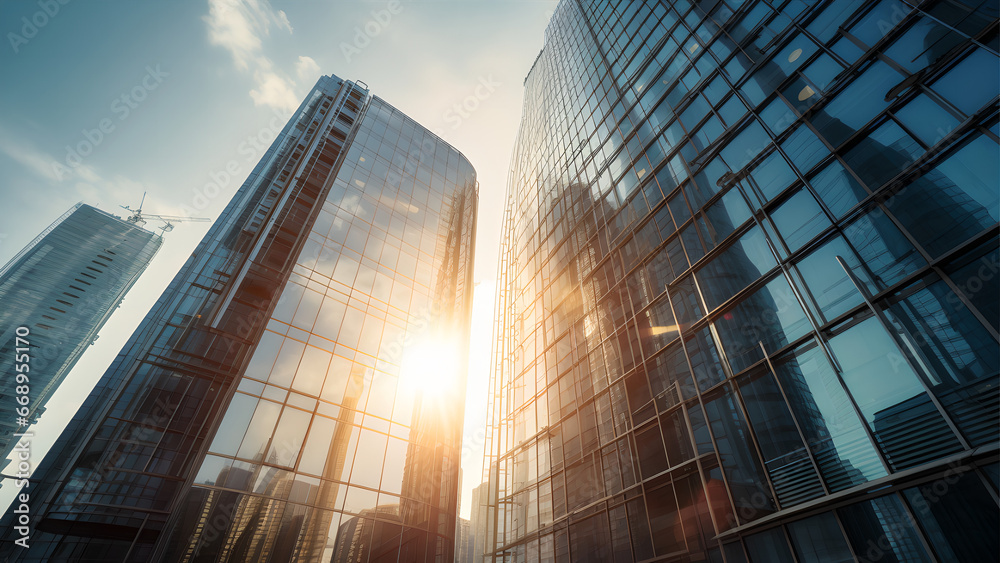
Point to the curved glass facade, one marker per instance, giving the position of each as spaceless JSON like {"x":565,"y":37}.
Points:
{"x":749,"y":278}
{"x":277,"y":403}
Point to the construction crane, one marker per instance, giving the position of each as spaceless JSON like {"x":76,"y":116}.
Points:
{"x":139,"y":218}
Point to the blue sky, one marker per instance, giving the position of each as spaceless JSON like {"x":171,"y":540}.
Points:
{"x":106,"y":100}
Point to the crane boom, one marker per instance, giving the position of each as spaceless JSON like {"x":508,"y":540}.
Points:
{"x":139,"y":218}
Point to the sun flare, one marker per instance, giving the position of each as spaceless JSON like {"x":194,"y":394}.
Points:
{"x":430,"y":367}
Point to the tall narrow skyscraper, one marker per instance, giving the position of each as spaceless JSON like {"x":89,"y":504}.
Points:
{"x":57,"y":293}
{"x":749,"y":286}
{"x":297,"y":392}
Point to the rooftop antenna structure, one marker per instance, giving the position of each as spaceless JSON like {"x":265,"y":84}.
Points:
{"x":138,"y":218}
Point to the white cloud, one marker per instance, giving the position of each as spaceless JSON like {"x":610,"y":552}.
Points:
{"x":87,"y":183}
{"x":239,"y":26}
{"x":37,"y":162}
{"x":273,"y":91}
{"x":307,"y":68}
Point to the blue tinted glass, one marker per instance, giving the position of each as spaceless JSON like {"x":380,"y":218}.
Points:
{"x":692,"y":243}
{"x":804,"y":148}
{"x":715,"y":89}
{"x":959,"y":354}
{"x":800,"y":95}
{"x":778,"y":438}
{"x":769,"y":546}
{"x":679,"y":208}
{"x":796,"y":52}
{"x":822,"y":71}
{"x":777,"y":116}
{"x":829,"y":423}
{"x":773,"y":175}
{"x":837,"y":188}
{"x":826,"y":280}
{"x":735,"y":268}
{"x":955,"y":201}
{"x":880,"y":156}
{"x":705,"y":359}
{"x":928,"y":121}
{"x":824,"y":27}
{"x":799,"y":219}
{"x":771,"y":315}
{"x":669,"y":377}
{"x":675,"y":252}
{"x":922,"y":44}
{"x":879,"y":20}
{"x":959,"y":86}
{"x":890,"y":396}
{"x":746,"y":145}
{"x":847,"y":50}
{"x":726,"y":214}
{"x":685,"y":300}
{"x":819,"y":540}
{"x":857,"y":104}
{"x":884,"y":250}
{"x":960,"y":524}
{"x":883,"y":520}
{"x":732,"y":110}
{"x":975,"y":274}
{"x":745,"y":477}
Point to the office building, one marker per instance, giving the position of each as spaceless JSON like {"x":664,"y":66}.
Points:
{"x":749,"y":286}
{"x":62,"y":288}
{"x":296,"y":393}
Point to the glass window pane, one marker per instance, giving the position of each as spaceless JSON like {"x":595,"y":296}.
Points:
{"x":976,"y":275}
{"x":880,"y":529}
{"x":819,"y":540}
{"x":771,"y":315}
{"x":958,"y":354}
{"x":799,"y":219}
{"x":748,"y":143}
{"x":705,"y":360}
{"x":726,"y":215}
{"x":746,"y":479}
{"x":827,"y":282}
{"x":857,"y":104}
{"x":879,"y":157}
{"x":838,"y":189}
{"x":804,"y":148}
{"x":772,"y":176}
{"x":735,"y":268}
{"x":961,"y":522}
{"x":956,"y":200}
{"x":958,"y":86}
{"x":664,"y":520}
{"x":889,"y":394}
{"x":885,"y":252}
{"x":785,"y":457}
{"x":928,"y":121}
{"x":769,"y":547}
{"x":829,"y":423}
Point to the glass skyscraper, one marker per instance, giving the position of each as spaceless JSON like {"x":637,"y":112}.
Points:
{"x":285,"y":398}
{"x":62,"y":288}
{"x":749,"y":286}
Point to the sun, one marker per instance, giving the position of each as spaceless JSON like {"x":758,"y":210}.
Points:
{"x":431,"y":367}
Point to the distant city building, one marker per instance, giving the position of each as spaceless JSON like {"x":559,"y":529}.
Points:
{"x":464,"y":542}
{"x":62,"y":288}
{"x":749,"y":287}
{"x":480,"y":523}
{"x":269,"y":408}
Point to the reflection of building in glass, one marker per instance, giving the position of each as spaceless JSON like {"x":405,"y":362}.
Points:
{"x":260,"y":412}
{"x":63,"y":287}
{"x":748,"y":286}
